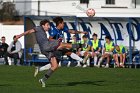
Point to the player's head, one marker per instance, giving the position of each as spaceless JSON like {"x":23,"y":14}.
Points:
{"x":74,"y":37}
{"x":94,"y":36}
{"x":14,"y":38}
{"x":59,"y":22}
{"x":117,"y":48}
{"x":3,"y":39}
{"x":107,"y":39}
{"x":85,"y":38}
{"x":45,"y":24}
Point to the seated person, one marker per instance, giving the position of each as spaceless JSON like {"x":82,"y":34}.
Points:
{"x":3,"y":47}
{"x":74,"y":50}
{"x":120,"y":51}
{"x":14,"y":51}
{"x":96,"y":48}
{"x":84,"y":51}
{"x":107,"y":51}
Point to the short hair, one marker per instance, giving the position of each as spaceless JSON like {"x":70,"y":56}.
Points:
{"x":43,"y":22}
{"x":3,"y":37}
{"x":58,"y":20}
{"x":14,"y":36}
{"x":108,"y":37}
{"x":84,"y":36}
{"x":95,"y":34}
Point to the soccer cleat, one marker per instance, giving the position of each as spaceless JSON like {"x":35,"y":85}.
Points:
{"x":36,"y":71}
{"x":84,"y":65}
{"x":78,"y":65}
{"x":107,"y":66}
{"x":42,"y":82}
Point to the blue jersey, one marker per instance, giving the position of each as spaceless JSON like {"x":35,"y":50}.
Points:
{"x":56,"y":33}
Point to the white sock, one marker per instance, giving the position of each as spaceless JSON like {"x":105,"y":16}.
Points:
{"x":100,"y":60}
{"x":95,"y":60}
{"x":76,"y":57}
{"x":46,"y":67}
{"x":68,"y":65}
{"x":88,"y":62}
{"x":78,"y":63}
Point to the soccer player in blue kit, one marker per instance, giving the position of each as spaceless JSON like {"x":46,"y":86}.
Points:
{"x":58,"y":33}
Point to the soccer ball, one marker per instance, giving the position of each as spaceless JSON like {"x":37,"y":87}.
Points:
{"x":90,"y":12}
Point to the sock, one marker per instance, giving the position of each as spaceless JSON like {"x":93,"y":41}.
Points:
{"x":76,"y":57}
{"x":69,"y":62}
{"x":46,"y":67}
{"x":100,"y":60}
{"x":85,"y":59}
{"x":78,"y":63}
{"x":88,"y":62}
{"x":47,"y":75}
{"x":95,"y":60}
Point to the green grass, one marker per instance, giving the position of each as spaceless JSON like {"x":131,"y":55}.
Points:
{"x":15,"y":79}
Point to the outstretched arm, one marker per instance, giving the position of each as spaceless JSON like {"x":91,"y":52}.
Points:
{"x":77,"y":32}
{"x":25,"y":33}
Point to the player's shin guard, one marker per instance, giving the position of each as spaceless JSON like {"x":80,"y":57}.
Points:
{"x":47,"y":75}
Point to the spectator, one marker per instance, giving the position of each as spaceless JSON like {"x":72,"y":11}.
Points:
{"x":107,"y":51}
{"x":14,"y":51}
{"x":96,"y":48}
{"x":84,"y":51}
{"x":119,"y":51}
{"x":3,"y":47}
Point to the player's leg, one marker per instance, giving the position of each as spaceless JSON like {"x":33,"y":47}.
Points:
{"x":54,"y":66}
{"x":108,"y":60}
{"x":101,"y":59}
{"x":42,"y":68}
{"x":121,"y":59}
{"x":67,"y":45}
{"x":95,"y":59}
{"x":124,"y":57}
{"x":57,"y":54}
{"x":86,"y":57}
{"x":73,"y":56}
{"x":115,"y":56}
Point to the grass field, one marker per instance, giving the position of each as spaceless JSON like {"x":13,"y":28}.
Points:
{"x":20,"y":79}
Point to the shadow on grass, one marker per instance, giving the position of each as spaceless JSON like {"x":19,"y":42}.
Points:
{"x":95,"y":83}
{"x":5,"y":85}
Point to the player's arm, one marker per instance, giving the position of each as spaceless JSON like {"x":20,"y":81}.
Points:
{"x":99,"y":49}
{"x":92,"y":49}
{"x":112,"y":48}
{"x":51,"y":38}
{"x":25,"y":33}
{"x":77,"y":32}
{"x":88,"y":48}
